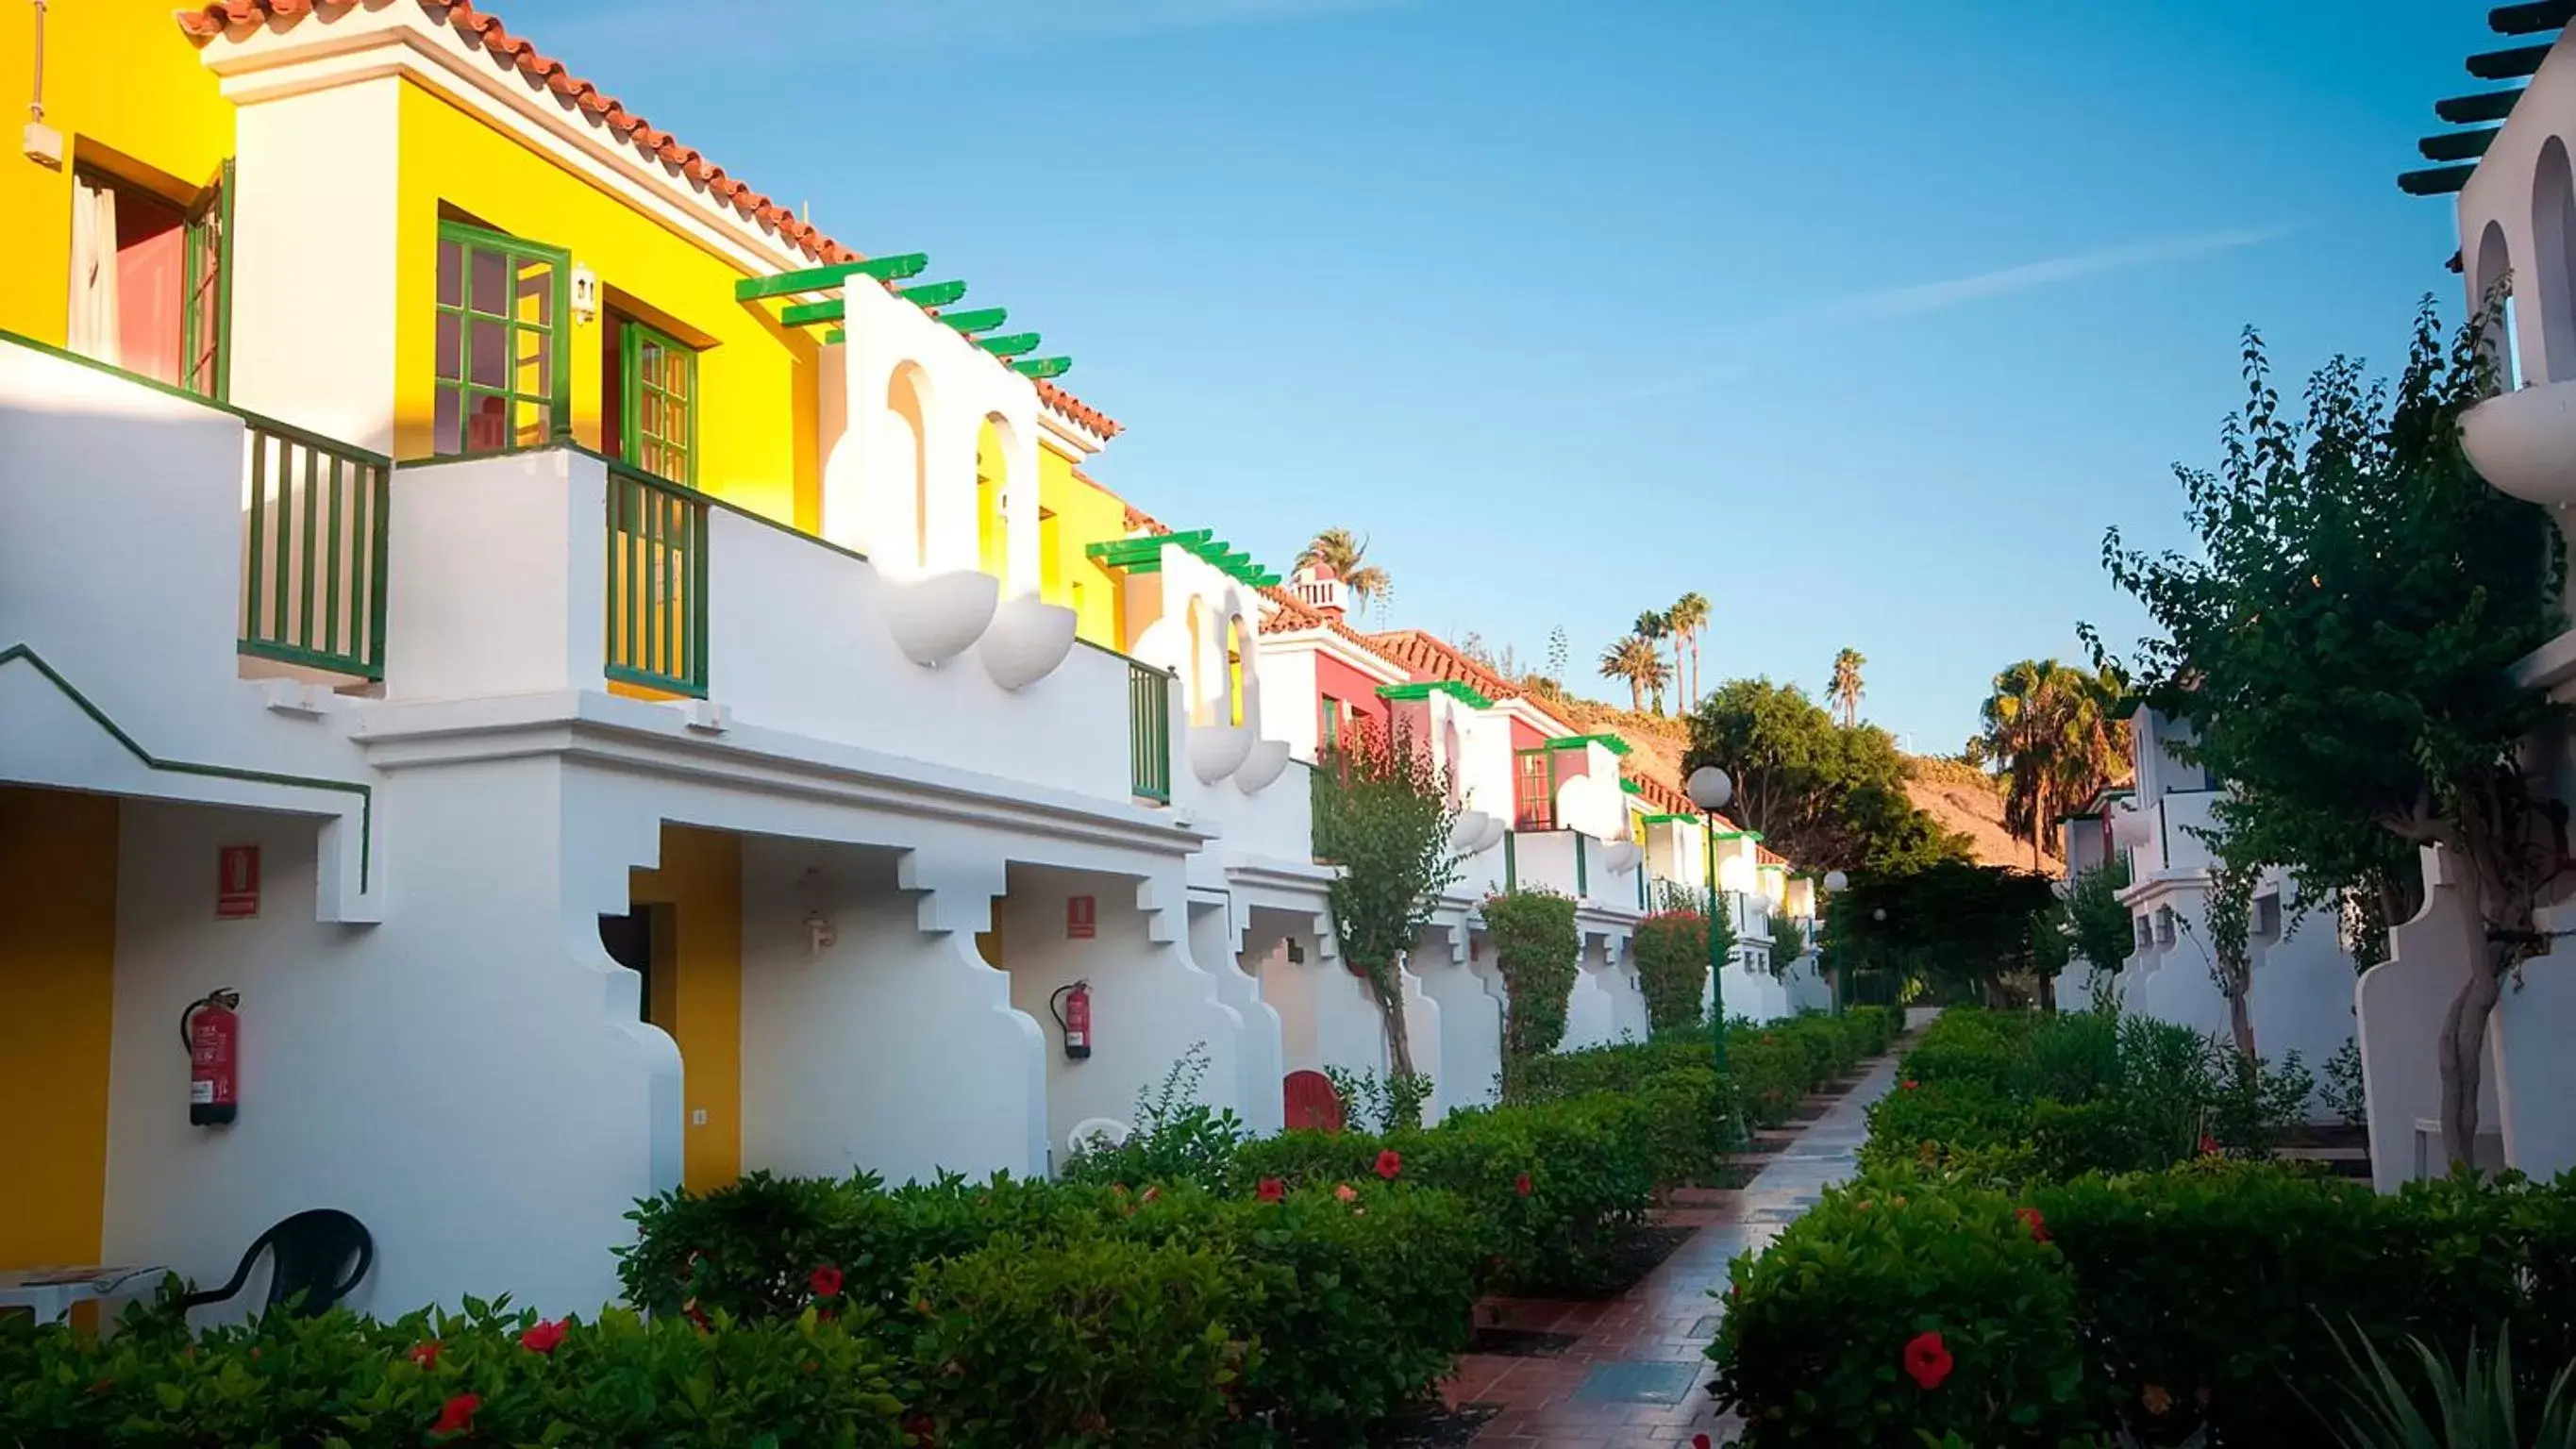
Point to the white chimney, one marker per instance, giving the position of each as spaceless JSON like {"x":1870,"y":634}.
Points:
{"x":1320,"y":589}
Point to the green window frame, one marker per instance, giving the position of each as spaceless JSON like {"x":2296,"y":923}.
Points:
{"x":1332,"y":722}
{"x":207,"y":325}
{"x":658,"y":403}
{"x":504,"y":367}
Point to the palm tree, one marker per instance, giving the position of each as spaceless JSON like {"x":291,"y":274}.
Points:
{"x":1636,"y":660}
{"x":1342,"y":552}
{"x":2053,"y":737}
{"x":1846,"y":690}
{"x":1654,"y":627}
{"x":1690,"y":615}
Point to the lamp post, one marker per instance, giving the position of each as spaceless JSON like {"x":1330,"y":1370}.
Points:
{"x":1835,"y":884}
{"x":1710,"y":790}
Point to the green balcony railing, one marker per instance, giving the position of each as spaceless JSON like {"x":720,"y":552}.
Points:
{"x":1149,"y":730}
{"x":657,"y":583}
{"x":313,"y":551}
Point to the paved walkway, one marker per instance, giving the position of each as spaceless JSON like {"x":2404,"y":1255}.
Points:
{"x":1636,"y":1374}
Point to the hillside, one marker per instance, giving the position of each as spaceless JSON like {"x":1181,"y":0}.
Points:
{"x":1959,"y":796}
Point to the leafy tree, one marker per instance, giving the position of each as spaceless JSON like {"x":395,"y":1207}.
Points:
{"x":1636,"y":660}
{"x":2102,"y":930}
{"x":1384,"y":813}
{"x":1827,"y":797}
{"x":2343,"y":648}
{"x":1535,"y":950}
{"x":1846,"y":690}
{"x":1951,"y":917}
{"x":1688,"y":616}
{"x":1344,"y":553}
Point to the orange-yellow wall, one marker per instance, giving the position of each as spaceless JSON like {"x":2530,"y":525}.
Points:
{"x":128,"y":92}
{"x":756,"y":381}
{"x":697,"y":996}
{"x":57,"y":980}
{"x":1085,"y":514}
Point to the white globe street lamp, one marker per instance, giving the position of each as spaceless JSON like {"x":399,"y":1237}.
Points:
{"x":1710,"y":790}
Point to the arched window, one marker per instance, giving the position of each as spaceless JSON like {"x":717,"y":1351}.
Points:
{"x":1234,"y":671}
{"x":2495,"y":288}
{"x":2553,"y":267}
{"x":1200,"y":713}
{"x":992,"y":490}
{"x":907,"y":431}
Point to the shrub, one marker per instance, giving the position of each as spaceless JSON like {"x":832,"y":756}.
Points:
{"x":1177,"y":1137}
{"x":348,"y":1381}
{"x":1535,"y":948}
{"x":1690,"y":1111}
{"x":2207,"y":1292}
{"x":1941,"y":1113}
{"x":1089,"y":1341}
{"x":1886,"y":1279}
{"x":1360,"y":1308}
{"x":1672,"y":967}
{"x":1587,"y":1163}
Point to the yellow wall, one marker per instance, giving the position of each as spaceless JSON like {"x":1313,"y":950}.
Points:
{"x":1085,"y":513}
{"x":697,"y":996}
{"x":57,"y":979}
{"x":756,"y":380}
{"x":128,"y":92}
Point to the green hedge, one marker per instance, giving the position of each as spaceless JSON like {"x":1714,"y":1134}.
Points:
{"x":487,"y":1377}
{"x":1559,"y":1188}
{"x":2159,"y":1304}
{"x":1338,"y":1314}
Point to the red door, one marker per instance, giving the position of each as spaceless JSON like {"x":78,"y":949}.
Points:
{"x":1311,"y":1103}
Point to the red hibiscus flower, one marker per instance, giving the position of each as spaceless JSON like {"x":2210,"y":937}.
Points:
{"x":543,"y":1337}
{"x":2031,"y":1219}
{"x":1521,"y":1185}
{"x":1151,"y":1193}
{"x":425,"y":1354}
{"x":456,"y":1415}
{"x":1270,"y":1189}
{"x":1699,"y":1441}
{"x":697,"y":1316}
{"x":2208,"y":1145}
{"x":1346,"y":1192}
{"x":1927,"y":1362}
{"x":1908,"y":1084}
{"x":825,"y":1281}
{"x":1389,"y":1163}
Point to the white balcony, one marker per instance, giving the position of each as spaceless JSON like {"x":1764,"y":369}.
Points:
{"x":1605,"y":875}
{"x":2524,"y":442}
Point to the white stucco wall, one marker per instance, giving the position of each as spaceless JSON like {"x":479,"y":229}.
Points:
{"x":894,"y":1049}
{"x":2400,"y":1005}
{"x":1471,"y":1022}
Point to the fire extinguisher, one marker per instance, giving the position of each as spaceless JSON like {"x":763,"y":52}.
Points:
{"x":212,"y":1033}
{"x":1073,"y":1018}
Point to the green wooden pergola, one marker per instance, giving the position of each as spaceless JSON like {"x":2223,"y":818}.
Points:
{"x":2484,"y":111}
{"x":815,"y":299}
{"x":1145,"y":555}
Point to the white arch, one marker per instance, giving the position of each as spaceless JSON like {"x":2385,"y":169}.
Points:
{"x":2551,"y":321}
{"x":2493,"y":281}
{"x":906,"y":430}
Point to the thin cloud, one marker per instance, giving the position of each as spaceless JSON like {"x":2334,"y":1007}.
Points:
{"x":1941,"y":296}
{"x":1923,"y":298}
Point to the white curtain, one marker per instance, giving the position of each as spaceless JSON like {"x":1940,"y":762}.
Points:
{"x":93,"y":330}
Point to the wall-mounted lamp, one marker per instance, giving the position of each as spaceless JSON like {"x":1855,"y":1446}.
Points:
{"x":585,"y":294}
{"x":821,"y":933}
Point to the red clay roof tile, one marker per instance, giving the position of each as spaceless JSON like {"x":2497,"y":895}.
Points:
{"x":1100,"y":424}
{"x":211,"y":19}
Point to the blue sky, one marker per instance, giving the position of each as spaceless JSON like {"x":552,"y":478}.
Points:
{"x":1864,"y":319}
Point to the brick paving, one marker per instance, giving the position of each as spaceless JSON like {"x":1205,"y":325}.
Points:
{"x":1637,"y":1375}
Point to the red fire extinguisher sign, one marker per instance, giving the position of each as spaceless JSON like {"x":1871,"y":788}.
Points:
{"x":1081,"y":918}
{"x":236,"y":882}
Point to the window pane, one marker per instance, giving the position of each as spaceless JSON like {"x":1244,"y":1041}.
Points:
{"x":488,"y":365}
{"x":451,"y":346}
{"x":536,"y":290}
{"x":486,"y":425}
{"x":451,"y":274}
{"x":532,"y":419}
{"x":534,"y":378}
{"x":491,"y":283}
{"x":445,"y":433}
{"x":677,"y":414}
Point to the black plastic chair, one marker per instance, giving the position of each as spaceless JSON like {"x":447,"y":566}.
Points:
{"x":310,"y":1249}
